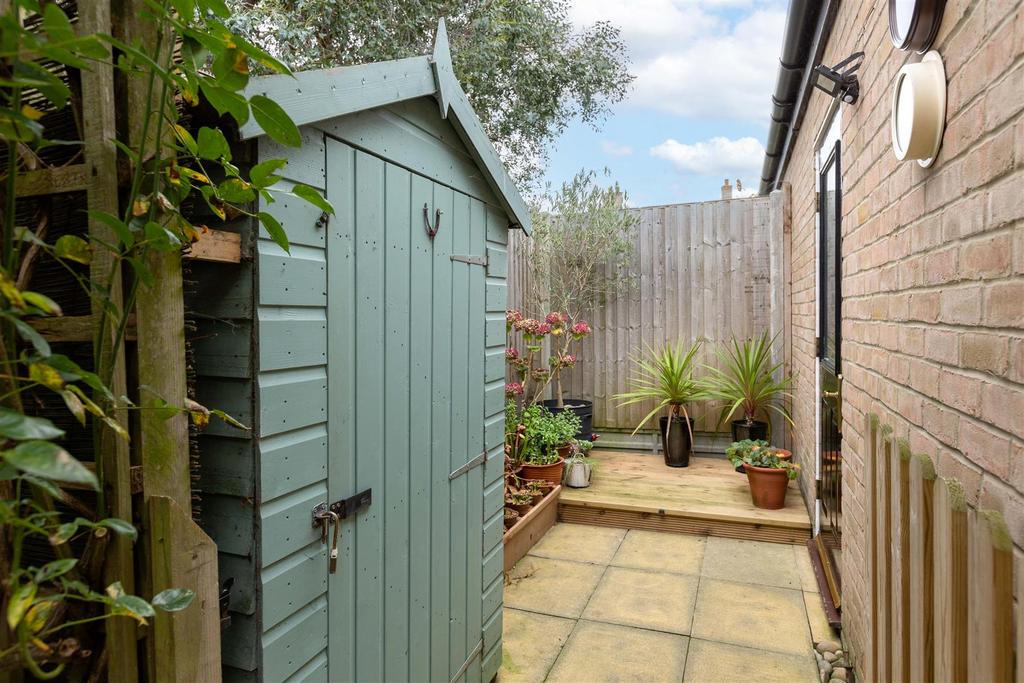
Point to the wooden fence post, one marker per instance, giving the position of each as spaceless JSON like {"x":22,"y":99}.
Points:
{"x":950,"y":580}
{"x":882,"y":452}
{"x":922,"y":479}
{"x":899,"y":514}
{"x":99,"y":131}
{"x":870,"y":661}
{"x":990,"y":607}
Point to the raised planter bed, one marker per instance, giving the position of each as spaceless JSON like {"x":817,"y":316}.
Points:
{"x":525,"y":533}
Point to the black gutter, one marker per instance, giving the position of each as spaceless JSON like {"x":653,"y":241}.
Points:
{"x":808,"y":24}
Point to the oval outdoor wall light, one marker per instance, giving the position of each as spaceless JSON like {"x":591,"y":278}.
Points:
{"x":914,"y":23}
{"x":919,"y":110}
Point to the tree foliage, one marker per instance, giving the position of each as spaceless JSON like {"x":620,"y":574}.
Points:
{"x":526,"y":69}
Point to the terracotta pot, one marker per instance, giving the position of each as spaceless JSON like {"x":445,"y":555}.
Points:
{"x":522,"y":508}
{"x":783,"y":454}
{"x":550,"y":473}
{"x":510,"y":521}
{"x":768,"y":487}
{"x":563,"y":451}
{"x":536,"y":498}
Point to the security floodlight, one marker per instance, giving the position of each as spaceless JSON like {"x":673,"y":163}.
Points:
{"x":841,"y":80}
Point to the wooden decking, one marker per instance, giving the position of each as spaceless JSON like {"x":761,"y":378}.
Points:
{"x":638,"y":491}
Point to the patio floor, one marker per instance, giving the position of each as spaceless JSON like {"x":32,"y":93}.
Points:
{"x":638,"y":491}
{"x":591,"y":603}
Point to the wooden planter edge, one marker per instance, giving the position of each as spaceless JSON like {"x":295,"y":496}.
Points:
{"x":531,"y":528}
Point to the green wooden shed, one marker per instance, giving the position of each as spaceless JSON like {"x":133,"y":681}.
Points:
{"x":368,"y":360}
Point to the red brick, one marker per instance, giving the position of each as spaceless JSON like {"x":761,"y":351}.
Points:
{"x":1004,"y":304}
{"x":941,"y":346}
{"x":985,"y":447}
{"x":960,"y":306}
{"x":961,"y":391}
{"x":1003,"y":406}
{"x":987,"y":257}
{"x":985,"y":352}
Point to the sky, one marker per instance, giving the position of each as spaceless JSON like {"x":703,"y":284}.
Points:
{"x":698,"y":109}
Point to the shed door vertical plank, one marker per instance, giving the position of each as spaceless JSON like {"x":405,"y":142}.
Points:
{"x":420,"y":428}
{"x":884,"y":553}
{"x":900,"y":525}
{"x":341,"y":375}
{"x":368,"y":526}
{"x":396,"y":453}
{"x":922,"y":479}
{"x":949,"y":525}
{"x":990,"y":604}
{"x":441,"y":412}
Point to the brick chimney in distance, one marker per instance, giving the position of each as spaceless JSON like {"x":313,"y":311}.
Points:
{"x":727,"y":190}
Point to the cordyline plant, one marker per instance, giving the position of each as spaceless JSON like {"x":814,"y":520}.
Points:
{"x":51,"y":608}
{"x":534,"y":380}
{"x":746,"y":382}
{"x":580,"y":250}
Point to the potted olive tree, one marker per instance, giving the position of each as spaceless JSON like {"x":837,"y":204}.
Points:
{"x":666,"y":378}
{"x":746,"y":383}
{"x":583,"y":241}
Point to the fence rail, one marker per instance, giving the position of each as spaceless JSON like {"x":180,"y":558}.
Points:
{"x":705,"y":270}
{"x":940,"y":586}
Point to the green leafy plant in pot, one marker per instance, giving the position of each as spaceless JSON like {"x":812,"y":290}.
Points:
{"x":768,"y":476}
{"x":666,"y":378}
{"x":539,"y":440}
{"x":739,"y":450}
{"x":747,"y":385}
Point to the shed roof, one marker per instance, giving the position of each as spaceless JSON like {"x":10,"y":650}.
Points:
{"x":322,"y":94}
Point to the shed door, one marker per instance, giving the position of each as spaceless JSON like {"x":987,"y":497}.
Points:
{"x":406,"y":403}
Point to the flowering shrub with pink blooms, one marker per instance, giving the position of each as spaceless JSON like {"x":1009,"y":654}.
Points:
{"x":533,"y":377}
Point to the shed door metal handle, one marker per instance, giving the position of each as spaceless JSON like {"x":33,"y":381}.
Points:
{"x":431,"y":231}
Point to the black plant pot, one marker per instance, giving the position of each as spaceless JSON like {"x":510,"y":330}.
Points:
{"x":755,"y":431}
{"x":676,"y":446}
{"x":583,"y":409}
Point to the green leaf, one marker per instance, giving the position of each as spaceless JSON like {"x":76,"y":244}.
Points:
{"x":236,"y":191}
{"x":73,"y":248}
{"x":122,"y":231}
{"x":275,"y":230}
{"x":64,"y":533}
{"x":48,"y":84}
{"x":217,"y":7}
{"x":173,"y":599}
{"x":314,"y":197}
{"x":42,"y":302}
{"x":20,"y":601}
{"x":18,"y":427}
{"x":50,"y":461}
{"x":225,"y":101}
{"x":227,"y":418}
{"x":142,"y":271}
{"x":212,"y":144}
{"x":231,"y":67}
{"x":119,"y":526}
{"x":262,"y":174}
{"x":134,"y":606}
{"x":56,"y":24}
{"x":26,"y":332}
{"x":52,"y":570}
{"x":274,"y":121}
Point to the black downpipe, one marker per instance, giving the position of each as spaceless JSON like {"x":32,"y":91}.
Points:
{"x":801,"y":21}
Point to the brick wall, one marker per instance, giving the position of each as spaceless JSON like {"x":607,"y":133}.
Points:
{"x":933,"y":270}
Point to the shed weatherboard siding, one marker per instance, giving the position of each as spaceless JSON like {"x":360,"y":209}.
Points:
{"x":367,"y":302}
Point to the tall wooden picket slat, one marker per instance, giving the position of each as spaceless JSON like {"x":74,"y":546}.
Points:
{"x":922,"y":479}
{"x":870,"y":666}
{"x":899,"y":514}
{"x":950,"y":577}
{"x":990,"y":605}
{"x":882,"y":454}
{"x":1019,"y":568}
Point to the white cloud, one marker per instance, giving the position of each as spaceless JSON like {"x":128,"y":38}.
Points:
{"x":692,"y":60}
{"x":718,"y":156}
{"x":614,"y":149}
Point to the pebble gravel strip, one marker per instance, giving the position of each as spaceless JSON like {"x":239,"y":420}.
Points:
{"x":832,"y":665}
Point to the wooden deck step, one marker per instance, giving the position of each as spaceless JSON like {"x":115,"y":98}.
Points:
{"x":637,"y":491}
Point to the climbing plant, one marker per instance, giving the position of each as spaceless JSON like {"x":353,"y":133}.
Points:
{"x":50,"y":605}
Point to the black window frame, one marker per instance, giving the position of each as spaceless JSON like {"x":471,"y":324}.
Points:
{"x":832,"y":165}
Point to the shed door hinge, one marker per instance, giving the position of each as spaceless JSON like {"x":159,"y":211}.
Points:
{"x":478,"y":460}
{"x":471,"y":260}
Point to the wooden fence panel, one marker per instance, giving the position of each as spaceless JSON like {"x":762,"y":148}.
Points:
{"x":882,"y":454}
{"x":922,"y":479}
{"x":950,"y":576}
{"x":872,"y":529}
{"x":990,"y":606}
{"x":899,"y":459}
{"x":686,"y":256}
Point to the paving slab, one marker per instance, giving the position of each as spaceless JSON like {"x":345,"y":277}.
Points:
{"x":762,"y":617}
{"x":530,"y":644}
{"x":638,"y":597}
{"x":682,"y":553}
{"x":709,"y":662}
{"x":556,"y":587}
{"x":805,"y":569}
{"x":580,"y":543}
{"x":816,"y":619}
{"x":769,"y":564}
{"x":606,"y":652}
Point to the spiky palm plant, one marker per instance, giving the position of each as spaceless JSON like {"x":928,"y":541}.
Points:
{"x":665,"y":377}
{"x":746,"y":381}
